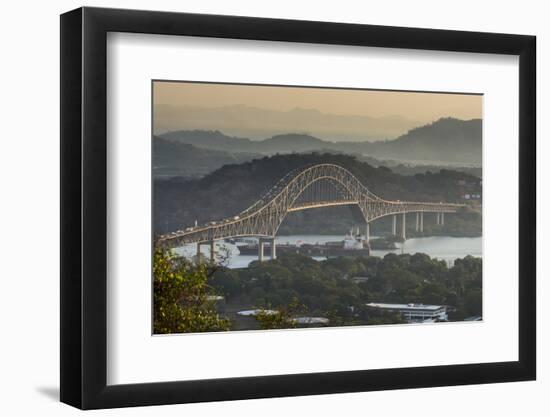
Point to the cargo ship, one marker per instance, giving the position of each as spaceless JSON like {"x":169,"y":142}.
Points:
{"x":354,"y":244}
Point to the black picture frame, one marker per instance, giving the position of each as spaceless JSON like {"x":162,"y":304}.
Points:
{"x":84,"y":207}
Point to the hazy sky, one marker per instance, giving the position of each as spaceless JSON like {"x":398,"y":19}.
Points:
{"x":417,"y":108}
{"x":423,"y":107}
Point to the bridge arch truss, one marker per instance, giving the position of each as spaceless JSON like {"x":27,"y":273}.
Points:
{"x":321,"y":185}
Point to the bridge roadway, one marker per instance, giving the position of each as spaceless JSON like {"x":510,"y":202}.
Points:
{"x":322,"y":185}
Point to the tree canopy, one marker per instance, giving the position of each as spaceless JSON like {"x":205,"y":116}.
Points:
{"x":183,"y":299}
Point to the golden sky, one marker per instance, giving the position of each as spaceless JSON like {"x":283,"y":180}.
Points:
{"x":424,"y":107}
{"x":338,"y":114}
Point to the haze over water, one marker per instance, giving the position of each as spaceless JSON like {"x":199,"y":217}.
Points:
{"x":445,"y":248}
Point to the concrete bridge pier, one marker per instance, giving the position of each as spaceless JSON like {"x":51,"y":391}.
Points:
{"x":212,"y":251}
{"x":417,"y":225}
{"x":272,"y":248}
{"x":403,"y":227}
{"x":367,"y":233}
{"x":394,"y":225}
{"x":260,"y":250}
{"x":442,"y":219}
{"x":422,"y":222}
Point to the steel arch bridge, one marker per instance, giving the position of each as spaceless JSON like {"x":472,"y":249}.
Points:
{"x":322,"y":185}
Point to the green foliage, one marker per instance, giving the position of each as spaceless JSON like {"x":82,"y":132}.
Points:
{"x":281,"y":318}
{"x":182,"y":302}
{"x":339,"y":288}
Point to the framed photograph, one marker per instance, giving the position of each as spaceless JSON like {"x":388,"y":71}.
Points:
{"x":258,"y":208}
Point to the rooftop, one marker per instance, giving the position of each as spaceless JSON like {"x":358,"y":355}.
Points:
{"x":256,"y":312}
{"x":310,"y":320}
{"x":410,"y":306}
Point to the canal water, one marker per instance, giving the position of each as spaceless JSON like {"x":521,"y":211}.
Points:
{"x":441,"y":247}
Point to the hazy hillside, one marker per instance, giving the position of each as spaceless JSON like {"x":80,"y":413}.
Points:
{"x":216,"y":140}
{"x":293,"y":142}
{"x":232,"y":188}
{"x":444,"y":141}
{"x":447,"y":139}
{"x":210,"y":139}
{"x":183,"y":159}
{"x":257,"y":123}
{"x":180,"y":159}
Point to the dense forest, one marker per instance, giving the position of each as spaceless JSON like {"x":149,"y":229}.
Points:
{"x":339,"y":288}
{"x":179,"y":202}
{"x":205,"y":297}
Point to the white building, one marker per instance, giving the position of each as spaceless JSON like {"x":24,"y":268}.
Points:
{"x":310,"y":320}
{"x":255,"y":312}
{"x":415,"y":313}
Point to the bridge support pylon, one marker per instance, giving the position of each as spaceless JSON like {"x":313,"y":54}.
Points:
{"x":394,"y":225}
{"x":199,"y":253}
{"x":260,"y":250}
{"x":273,"y":249}
{"x":417,"y":226}
{"x":367,"y":233}
{"x":212,"y":251}
{"x":442,"y":219}
{"x":403,"y":227}
{"x":422,"y":222}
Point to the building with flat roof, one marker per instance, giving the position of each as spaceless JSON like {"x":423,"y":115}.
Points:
{"x":414,"y":313}
{"x":311,"y":321}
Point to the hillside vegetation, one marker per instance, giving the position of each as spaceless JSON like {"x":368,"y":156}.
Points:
{"x":172,"y":159}
{"x":179,"y":202}
{"x":449,"y":140}
{"x":327,"y":288}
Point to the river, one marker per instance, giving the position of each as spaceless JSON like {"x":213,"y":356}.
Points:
{"x":441,"y":247}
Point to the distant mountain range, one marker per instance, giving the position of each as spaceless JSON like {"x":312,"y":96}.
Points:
{"x":256,"y":123}
{"x":173,"y":159}
{"x":446,"y":141}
